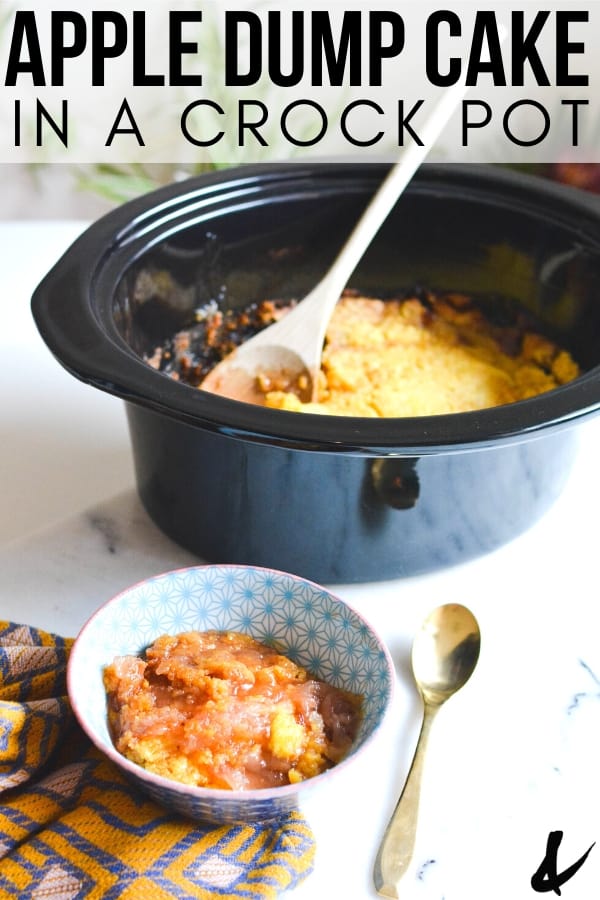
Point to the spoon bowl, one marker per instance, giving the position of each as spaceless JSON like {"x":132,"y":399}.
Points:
{"x":444,"y":655}
{"x":445,"y":652}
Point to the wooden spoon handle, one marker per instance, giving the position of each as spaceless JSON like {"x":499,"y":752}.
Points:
{"x":392,"y":187}
{"x":381,"y":204}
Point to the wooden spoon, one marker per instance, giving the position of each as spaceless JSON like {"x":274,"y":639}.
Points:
{"x":293,"y":346}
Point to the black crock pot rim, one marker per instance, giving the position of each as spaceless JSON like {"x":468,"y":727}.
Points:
{"x":95,"y":353}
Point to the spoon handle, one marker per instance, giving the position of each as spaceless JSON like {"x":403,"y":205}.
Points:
{"x":393,"y":186}
{"x":381,"y":204}
{"x":396,"y":848}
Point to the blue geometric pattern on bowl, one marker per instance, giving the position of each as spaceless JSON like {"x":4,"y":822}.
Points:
{"x":303,"y":620}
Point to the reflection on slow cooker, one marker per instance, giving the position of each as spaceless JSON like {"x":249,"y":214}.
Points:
{"x":396,"y":481}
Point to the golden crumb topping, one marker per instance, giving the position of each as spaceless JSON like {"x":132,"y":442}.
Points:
{"x":418,"y":357}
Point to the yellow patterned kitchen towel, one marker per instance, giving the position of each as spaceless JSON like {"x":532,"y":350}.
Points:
{"x":71,"y":827}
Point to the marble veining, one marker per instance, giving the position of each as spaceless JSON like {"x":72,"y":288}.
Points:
{"x":108,"y":529}
{"x":423,"y":869}
{"x":591,"y":694}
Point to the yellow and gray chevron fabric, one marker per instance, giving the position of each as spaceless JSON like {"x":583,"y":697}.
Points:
{"x":72,"y":828}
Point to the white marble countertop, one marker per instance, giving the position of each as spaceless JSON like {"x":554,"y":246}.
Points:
{"x":513,"y":757}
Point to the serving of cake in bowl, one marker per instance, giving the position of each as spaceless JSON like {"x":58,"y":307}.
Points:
{"x":220,"y":709}
{"x":272,"y":689}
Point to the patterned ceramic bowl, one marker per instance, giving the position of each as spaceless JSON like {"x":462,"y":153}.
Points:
{"x":307,"y":623}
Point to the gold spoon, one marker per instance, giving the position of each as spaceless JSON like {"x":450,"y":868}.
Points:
{"x":444,"y":654}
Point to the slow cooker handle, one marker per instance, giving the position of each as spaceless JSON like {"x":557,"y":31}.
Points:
{"x":395,"y":481}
